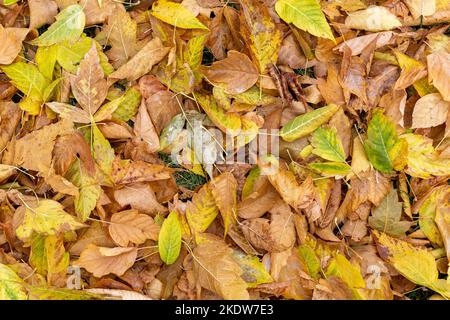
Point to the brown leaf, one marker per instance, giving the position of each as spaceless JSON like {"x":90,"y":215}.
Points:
{"x":42,"y":12}
{"x":34,"y":151}
{"x":11,"y":43}
{"x":216,"y":270}
{"x":88,"y":86}
{"x":131,"y":226}
{"x":142,"y":62}
{"x":140,"y":197}
{"x":430,"y":111}
{"x":138,"y":171}
{"x":145,"y":130}
{"x":439,"y":72}
{"x":236,"y":73}
{"x":101,"y":261}
{"x":224,"y":190}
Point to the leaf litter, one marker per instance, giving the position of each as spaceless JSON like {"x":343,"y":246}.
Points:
{"x":118,"y":123}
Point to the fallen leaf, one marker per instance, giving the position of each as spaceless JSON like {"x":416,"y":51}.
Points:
{"x":131,"y":226}
{"x":101,"y":261}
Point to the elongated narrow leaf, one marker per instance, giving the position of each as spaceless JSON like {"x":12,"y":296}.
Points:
{"x":169,"y":241}
{"x":305,"y":124}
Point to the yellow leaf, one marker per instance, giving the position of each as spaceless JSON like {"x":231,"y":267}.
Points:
{"x":224,"y":191}
{"x":169,"y":240}
{"x":201,"y":211}
{"x":229,"y":123}
{"x":254,"y":271}
{"x":423,"y":160}
{"x":176,"y":14}
{"x":216,"y":270}
{"x":427,"y":216}
{"x":305,"y":124}
{"x":415,"y":264}
{"x":262,"y":36}
{"x":306,"y":15}
{"x":46,"y":217}
{"x":11,"y":285}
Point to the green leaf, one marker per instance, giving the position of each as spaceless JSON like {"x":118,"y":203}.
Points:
{"x":9,"y":2}
{"x":169,"y":240}
{"x":331,"y":168}
{"x":45,"y":217}
{"x":176,"y":15}
{"x":304,"y":124}
{"x":89,"y":190}
{"x":382,"y":142}
{"x":129,"y":106}
{"x":253,"y":270}
{"x":386,"y":217}
{"x":11,"y":285}
{"x":306,"y":15}
{"x":49,"y":257}
{"x":68,"y":27}
{"x":250,"y":181}
{"x":328,"y":145}
{"x":309,"y":258}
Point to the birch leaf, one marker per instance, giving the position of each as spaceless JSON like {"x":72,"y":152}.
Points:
{"x":306,"y":15}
